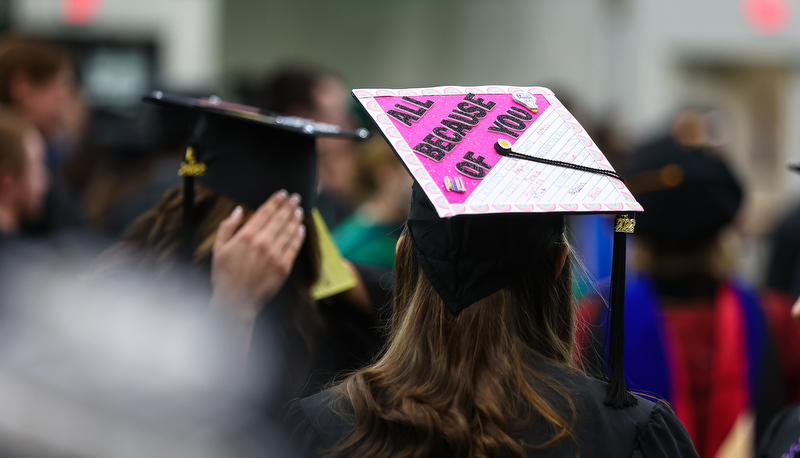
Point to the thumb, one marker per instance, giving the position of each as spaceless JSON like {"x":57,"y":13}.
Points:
{"x":228,"y":227}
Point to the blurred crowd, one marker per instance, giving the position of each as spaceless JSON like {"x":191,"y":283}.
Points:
{"x":110,"y":348}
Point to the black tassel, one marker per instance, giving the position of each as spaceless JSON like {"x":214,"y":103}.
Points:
{"x":190,"y":169}
{"x":618,"y":395}
{"x":187,"y":229}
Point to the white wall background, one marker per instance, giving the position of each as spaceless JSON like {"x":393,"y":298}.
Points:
{"x":405,"y":43}
{"x":188,"y":32}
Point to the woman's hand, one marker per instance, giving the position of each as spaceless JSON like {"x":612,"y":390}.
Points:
{"x":252,"y":260}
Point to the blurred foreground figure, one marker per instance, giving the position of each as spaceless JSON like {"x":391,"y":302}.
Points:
{"x":701,"y":339}
{"x":115,"y":366}
{"x":36,"y":82}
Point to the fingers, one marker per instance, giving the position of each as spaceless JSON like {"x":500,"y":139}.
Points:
{"x":264,"y":213}
{"x":283,"y":215}
{"x":288,"y":230}
{"x":293,"y":245}
{"x":275,"y":230}
{"x":228,"y":227}
{"x":796,"y":310}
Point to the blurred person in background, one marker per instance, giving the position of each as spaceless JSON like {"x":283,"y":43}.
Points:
{"x":23,"y":173}
{"x":702,"y":341}
{"x":781,"y":290}
{"x":782,"y":436}
{"x":128,"y":164}
{"x":370,"y":234}
{"x":314,"y":93}
{"x":241,"y":196}
{"x":36,"y":81}
{"x":311,"y":92}
{"x":783,"y":266}
{"x":782,"y":303}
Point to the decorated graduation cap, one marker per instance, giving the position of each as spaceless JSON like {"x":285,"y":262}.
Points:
{"x":248,"y":154}
{"x":497,"y":168}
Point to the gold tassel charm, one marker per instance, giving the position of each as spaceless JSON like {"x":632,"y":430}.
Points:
{"x":624,"y":224}
{"x":190,"y":167}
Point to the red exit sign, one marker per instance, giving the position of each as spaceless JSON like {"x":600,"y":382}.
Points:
{"x":79,"y":11}
{"x":767,"y":16}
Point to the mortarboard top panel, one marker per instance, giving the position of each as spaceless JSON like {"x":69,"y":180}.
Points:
{"x":214,"y":105}
{"x":248,"y":154}
{"x":447,"y":138}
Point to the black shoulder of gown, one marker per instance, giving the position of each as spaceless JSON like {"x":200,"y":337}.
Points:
{"x":648,"y":429}
{"x":782,"y":435}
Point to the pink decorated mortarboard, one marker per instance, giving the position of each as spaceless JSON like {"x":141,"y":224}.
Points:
{"x":493,"y":149}
{"x":503,"y":149}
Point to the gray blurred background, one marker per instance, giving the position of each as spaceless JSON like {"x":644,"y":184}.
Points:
{"x":630,"y":62}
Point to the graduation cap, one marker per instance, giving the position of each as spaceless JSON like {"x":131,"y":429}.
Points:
{"x":679,"y":183}
{"x":248,"y":154}
{"x":497,"y":168}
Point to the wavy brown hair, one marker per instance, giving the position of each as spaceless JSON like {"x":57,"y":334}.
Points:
{"x":154,"y":241}
{"x":462,"y":385}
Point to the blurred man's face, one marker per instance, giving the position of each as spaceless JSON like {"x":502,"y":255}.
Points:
{"x":336,"y":160}
{"x":45,"y":104}
{"x":331,"y":106}
{"x":331,"y":102}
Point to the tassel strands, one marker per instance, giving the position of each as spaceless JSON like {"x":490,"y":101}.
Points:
{"x":190,"y":169}
{"x":618,"y":395}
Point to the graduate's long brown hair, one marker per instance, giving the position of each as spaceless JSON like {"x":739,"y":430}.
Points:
{"x":462,"y":385}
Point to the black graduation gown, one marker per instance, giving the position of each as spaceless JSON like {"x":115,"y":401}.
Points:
{"x":649,"y":429}
{"x":782,"y":437}
{"x":348,"y":340}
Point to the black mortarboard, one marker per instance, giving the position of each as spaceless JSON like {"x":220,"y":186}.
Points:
{"x":466,"y":259}
{"x":496,"y":170}
{"x":248,"y":154}
{"x":690,"y":193}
